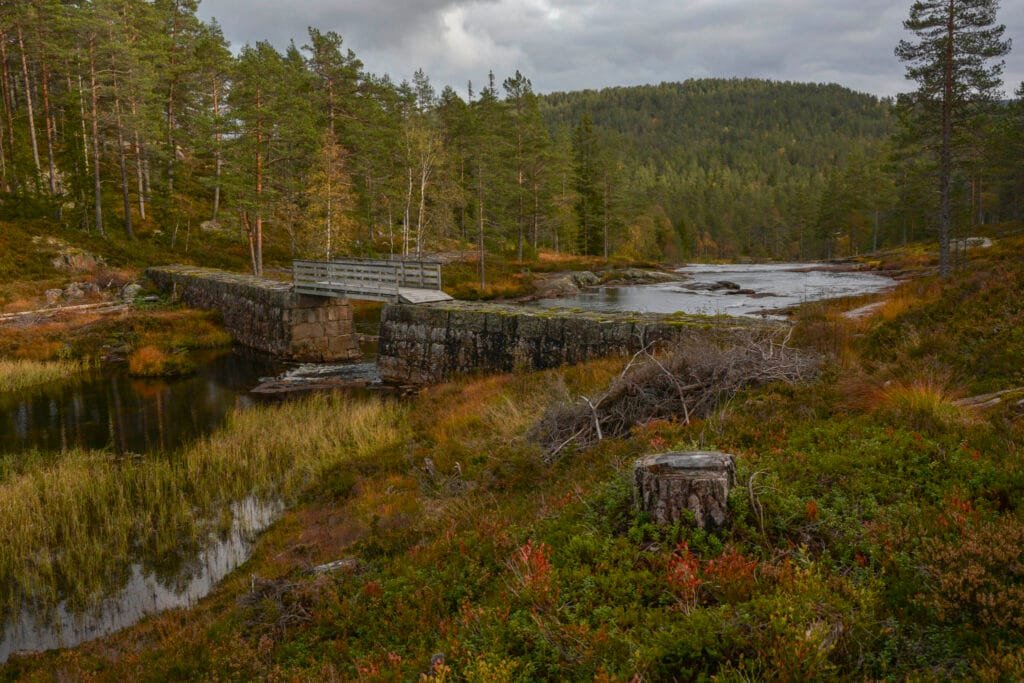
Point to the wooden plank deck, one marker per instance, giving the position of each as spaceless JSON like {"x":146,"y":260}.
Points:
{"x":371,"y":280}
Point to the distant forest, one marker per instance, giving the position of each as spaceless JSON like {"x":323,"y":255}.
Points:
{"x":134,"y":116}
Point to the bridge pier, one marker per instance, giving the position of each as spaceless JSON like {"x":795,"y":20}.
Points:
{"x":266,"y":314}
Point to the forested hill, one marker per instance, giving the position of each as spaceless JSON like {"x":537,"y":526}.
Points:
{"x":739,"y":164}
{"x":733,"y":122}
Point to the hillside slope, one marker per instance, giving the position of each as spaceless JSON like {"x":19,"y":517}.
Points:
{"x":744,"y":160}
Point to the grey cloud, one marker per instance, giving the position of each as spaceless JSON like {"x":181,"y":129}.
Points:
{"x":573,"y":44}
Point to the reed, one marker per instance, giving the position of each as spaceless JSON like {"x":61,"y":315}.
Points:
{"x":71,"y":527}
{"x":21,"y":374}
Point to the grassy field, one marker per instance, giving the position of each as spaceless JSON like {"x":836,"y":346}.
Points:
{"x":877,"y":529}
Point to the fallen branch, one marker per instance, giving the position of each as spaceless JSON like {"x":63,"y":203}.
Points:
{"x":691,"y":381}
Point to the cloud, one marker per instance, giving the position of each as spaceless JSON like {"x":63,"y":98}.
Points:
{"x":574,"y":44}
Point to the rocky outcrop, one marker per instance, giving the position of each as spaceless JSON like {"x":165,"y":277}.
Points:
{"x":266,"y":314}
{"x":432,"y":343}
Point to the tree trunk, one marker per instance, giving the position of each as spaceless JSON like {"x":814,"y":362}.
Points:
{"x":50,"y":131}
{"x":218,"y":164}
{"x":94,"y":96}
{"x":123,"y":160}
{"x":685,"y":486}
{"x":258,"y":259}
{"x":945,"y":147}
{"x":28,"y":104}
{"x":8,"y":96}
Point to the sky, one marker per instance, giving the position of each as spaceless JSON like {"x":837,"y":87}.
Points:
{"x":577,"y":44}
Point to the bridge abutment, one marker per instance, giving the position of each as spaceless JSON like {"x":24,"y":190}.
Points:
{"x":266,"y":314}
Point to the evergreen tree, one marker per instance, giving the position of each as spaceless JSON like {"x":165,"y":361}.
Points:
{"x":952,"y":62}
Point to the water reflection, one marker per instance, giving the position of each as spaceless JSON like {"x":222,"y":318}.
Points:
{"x":144,"y":593}
{"x":110,"y":409}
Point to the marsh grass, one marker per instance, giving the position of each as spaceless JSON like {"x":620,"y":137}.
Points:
{"x":16,"y":375}
{"x":72,"y":527}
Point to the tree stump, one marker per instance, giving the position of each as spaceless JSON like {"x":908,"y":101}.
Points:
{"x":668,"y":484}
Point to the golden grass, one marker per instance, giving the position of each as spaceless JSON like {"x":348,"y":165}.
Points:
{"x":71,"y":527}
{"x":922,"y":404}
{"x":21,"y":374}
{"x":150,"y":361}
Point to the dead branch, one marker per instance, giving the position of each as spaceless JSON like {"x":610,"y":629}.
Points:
{"x":690,"y":381}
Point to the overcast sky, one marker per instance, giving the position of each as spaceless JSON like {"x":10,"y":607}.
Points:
{"x":576,"y":44}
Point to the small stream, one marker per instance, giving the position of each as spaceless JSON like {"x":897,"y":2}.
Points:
{"x":734,"y":289}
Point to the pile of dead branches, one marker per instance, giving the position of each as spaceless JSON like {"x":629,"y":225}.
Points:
{"x":688,"y":381}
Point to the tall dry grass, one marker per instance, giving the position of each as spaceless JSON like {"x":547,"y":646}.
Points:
{"x":21,"y":374}
{"x":71,"y":527}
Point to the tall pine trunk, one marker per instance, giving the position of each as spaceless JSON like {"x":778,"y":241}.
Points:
{"x":50,"y":130}
{"x":218,"y":159}
{"x":94,"y":97}
{"x":945,"y":148}
{"x":28,"y":104}
{"x":8,"y":97}
{"x":122,"y":156}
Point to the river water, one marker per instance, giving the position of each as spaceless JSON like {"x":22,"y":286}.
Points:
{"x":108,"y":409}
{"x":734,"y":289}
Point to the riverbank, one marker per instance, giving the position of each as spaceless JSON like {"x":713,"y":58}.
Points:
{"x":865,"y":499}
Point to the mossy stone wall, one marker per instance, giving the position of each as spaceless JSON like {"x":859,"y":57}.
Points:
{"x":434,"y":342}
{"x":265,"y":314}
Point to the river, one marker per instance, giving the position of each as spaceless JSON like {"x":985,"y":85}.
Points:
{"x":761,"y":290}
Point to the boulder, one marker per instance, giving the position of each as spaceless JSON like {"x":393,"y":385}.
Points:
{"x":73,"y":260}
{"x":53,"y":296}
{"x":670,"y":487}
{"x":130,"y":291}
{"x":585,"y":278}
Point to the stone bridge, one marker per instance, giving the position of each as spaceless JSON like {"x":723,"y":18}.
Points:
{"x":427,"y":343}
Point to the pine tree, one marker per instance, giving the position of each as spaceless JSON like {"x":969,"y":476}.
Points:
{"x":952,"y":63}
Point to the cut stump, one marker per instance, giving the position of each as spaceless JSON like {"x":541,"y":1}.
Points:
{"x":668,"y":485}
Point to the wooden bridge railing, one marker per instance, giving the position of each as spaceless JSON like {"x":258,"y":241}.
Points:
{"x":369,"y":279}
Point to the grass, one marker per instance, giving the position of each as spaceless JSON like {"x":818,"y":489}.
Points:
{"x":16,"y":375}
{"x":73,"y":525}
{"x":87,"y":336}
{"x":876,"y":528}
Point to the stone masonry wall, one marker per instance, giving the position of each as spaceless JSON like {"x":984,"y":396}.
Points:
{"x":266,"y":314}
{"x":434,"y":342}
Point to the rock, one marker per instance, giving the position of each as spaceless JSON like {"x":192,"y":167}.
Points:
{"x":130,"y":291}
{"x":639,"y":275}
{"x":53,"y":296}
{"x":725,"y":284}
{"x":556,"y":287}
{"x":74,"y":260}
{"x":79,"y":290}
{"x":667,"y":485}
{"x":347,"y":563}
{"x":585,"y":278}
